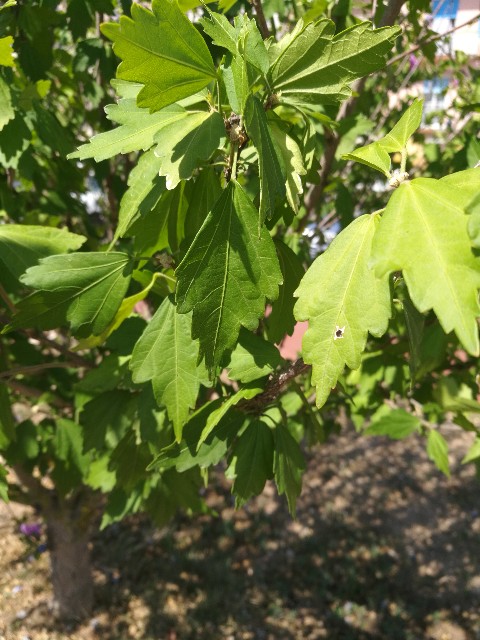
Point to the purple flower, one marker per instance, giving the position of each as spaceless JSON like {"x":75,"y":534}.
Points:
{"x":31,"y":530}
{"x":413,"y":60}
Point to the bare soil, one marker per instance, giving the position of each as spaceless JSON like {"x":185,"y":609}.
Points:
{"x":383,"y":547}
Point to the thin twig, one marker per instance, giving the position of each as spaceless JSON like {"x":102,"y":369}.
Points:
{"x":274,"y":387}
{"x":37,"y":368}
{"x":439,"y":36}
{"x":260,"y":17}
{"x":6,"y":298}
{"x":32,"y":392}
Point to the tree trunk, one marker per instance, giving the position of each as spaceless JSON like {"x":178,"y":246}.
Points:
{"x":71,"y":569}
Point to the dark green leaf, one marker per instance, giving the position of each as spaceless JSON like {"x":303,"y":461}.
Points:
{"x":86,"y":289}
{"x":281,"y":320}
{"x":288,"y":466}
{"x":167,"y":355}
{"x":227,"y":274}
{"x":22,"y":246}
{"x":270,"y":161}
{"x":251,"y":464}
{"x":252,"y":358}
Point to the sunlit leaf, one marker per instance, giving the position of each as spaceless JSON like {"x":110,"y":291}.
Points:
{"x":162,"y":50}
{"x":342,"y":300}
{"x":425,"y":218}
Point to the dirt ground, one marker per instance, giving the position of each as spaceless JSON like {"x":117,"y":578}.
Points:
{"x":384,"y":547}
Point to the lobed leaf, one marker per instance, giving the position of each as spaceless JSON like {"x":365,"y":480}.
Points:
{"x":162,"y":50}
{"x":425,"y":217}
{"x":270,"y":161}
{"x":343,"y":300}
{"x":22,"y":245}
{"x":227,"y":274}
{"x":85,"y":289}
{"x":312,"y":66}
{"x":183,"y":145}
{"x":167,"y":355}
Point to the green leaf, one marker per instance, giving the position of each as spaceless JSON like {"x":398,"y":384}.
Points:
{"x":396,"y":424}
{"x":251,"y":464}
{"x":6,"y":51}
{"x":243,"y":37}
{"x":437,"y":451}
{"x":227,"y":274}
{"x":107,"y":418}
{"x":6,"y":108}
{"x":206,"y":191}
{"x":473,"y":453}
{"x":292,"y":160}
{"x":424,"y":218}
{"x":22,"y":246}
{"x":188,"y":453}
{"x":145,"y":188}
{"x":466,"y":184}
{"x":3,"y":475}
{"x":473,"y":210}
{"x":130,"y":460}
{"x":237,"y":77}
{"x":125,"y":310}
{"x":136,"y":132}
{"x":288,"y":466}
{"x":281,"y":320}
{"x":167,"y":355}
{"x":252,"y":358}
{"x":69,"y":445}
{"x":415,"y":322}
{"x":215,"y":417}
{"x":162,"y":50}
{"x":15,"y":136}
{"x":398,"y":137}
{"x":270,"y":161}
{"x":86,"y":289}
{"x":373,"y":155}
{"x":312,"y":66}
{"x":342,"y":300}
{"x":183,"y":145}
{"x":7,"y":425}
{"x":8,"y":3}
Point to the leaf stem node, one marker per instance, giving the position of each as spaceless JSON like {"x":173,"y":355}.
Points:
{"x":397,"y":178}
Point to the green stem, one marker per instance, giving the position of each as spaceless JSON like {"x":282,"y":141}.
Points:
{"x":403,"y":162}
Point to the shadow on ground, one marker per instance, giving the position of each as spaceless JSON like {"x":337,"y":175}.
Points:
{"x":383,"y":547}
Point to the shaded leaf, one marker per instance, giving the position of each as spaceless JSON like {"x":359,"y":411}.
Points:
{"x":167,"y":355}
{"x":251,"y":464}
{"x":183,"y":145}
{"x":281,"y":320}
{"x":227,"y":274}
{"x":252,"y":358}
{"x":145,"y":188}
{"x":22,"y":246}
{"x":396,"y":424}
{"x":288,"y":466}
{"x":6,"y":109}
{"x":86,"y":289}
{"x":270,"y":161}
